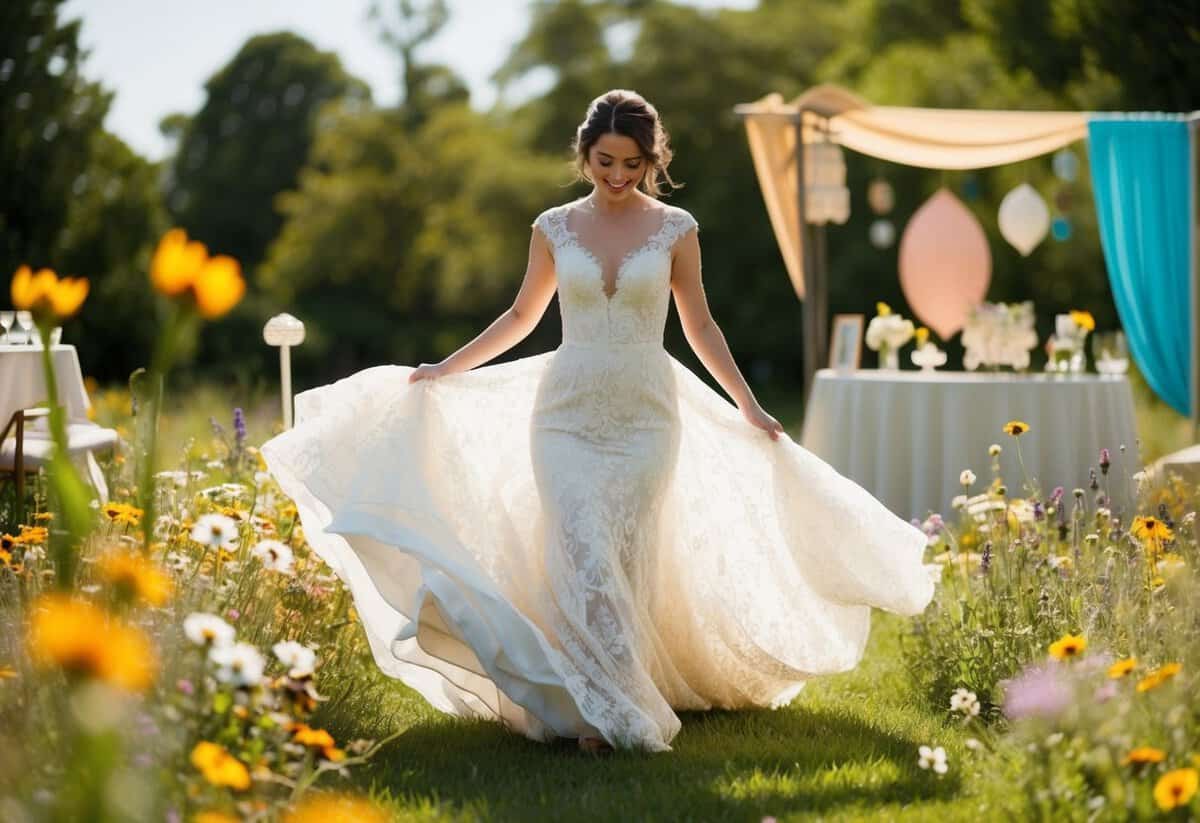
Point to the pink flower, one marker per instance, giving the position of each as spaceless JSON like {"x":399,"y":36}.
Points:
{"x":185,"y":686}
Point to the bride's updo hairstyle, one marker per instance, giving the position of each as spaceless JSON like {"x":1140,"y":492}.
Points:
{"x":627,"y":113}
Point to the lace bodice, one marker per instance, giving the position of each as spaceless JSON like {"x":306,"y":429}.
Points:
{"x":625,"y":306}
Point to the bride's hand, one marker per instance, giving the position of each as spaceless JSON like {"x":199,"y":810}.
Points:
{"x":427,"y":371}
{"x":762,"y":420}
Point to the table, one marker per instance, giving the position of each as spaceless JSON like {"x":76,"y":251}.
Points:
{"x":23,"y":381}
{"x":906,"y":436}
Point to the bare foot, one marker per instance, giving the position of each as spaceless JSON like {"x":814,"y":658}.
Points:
{"x":594,"y":745}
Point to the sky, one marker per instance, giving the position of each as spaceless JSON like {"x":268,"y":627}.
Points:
{"x":157,"y":54}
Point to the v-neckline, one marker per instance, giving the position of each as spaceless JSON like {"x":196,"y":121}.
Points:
{"x":625,"y":258}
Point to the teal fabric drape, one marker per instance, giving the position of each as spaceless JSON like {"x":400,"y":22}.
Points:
{"x":1141,"y":177}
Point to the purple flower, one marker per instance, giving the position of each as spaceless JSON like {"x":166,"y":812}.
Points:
{"x":1056,"y":495}
{"x":1038,"y":691}
{"x":1105,"y":461}
{"x":185,"y":686}
{"x":239,"y":425}
{"x":1039,"y":511}
{"x":233,"y":614}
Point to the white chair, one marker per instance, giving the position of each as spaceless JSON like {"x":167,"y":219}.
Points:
{"x":29,"y":449}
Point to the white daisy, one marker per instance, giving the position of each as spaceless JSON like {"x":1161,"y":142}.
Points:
{"x":215,"y":531}
{"x":300,"y":659}
{"x":967,"y":477}
{"x":274,"y":555}
{"x":934,"y":758}
{"x":965,"y":701}
{"x":205,"y":629}
{"x":239,"y":664}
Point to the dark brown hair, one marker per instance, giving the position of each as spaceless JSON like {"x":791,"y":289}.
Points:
{"x":627,"y":113}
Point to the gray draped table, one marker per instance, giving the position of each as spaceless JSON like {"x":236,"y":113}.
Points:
{"x":906,"y":436}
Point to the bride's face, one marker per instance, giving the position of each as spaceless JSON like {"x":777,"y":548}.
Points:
{"x":616,"y":166}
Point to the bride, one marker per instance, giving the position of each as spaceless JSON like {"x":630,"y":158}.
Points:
{"x":583,"y":542}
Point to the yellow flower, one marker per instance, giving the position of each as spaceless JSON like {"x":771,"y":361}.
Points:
{"x":1175,"y":788}
{"x":1148,"y":529}
{"x":219,"y":767}
{"x":181,"y":267}
{"x":46,"y":295}
{"x":80,"y":638}
{"x":7,"y":673}
{"x":922,"y":335}
{"x":883,"y":309}
{"x":1016,"y":428}
{"x":1068,"y":646}
{"x":1083,"y":320}
{"x":135,"y":576}
{"x":332,"y":808}
{"x":7,"y":541}
{"x":43,"y":516}
{"x":1122,"y":667}
{"x":1159,"y":676}
{"x":1144,"y":754}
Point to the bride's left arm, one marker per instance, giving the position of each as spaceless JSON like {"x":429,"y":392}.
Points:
{"x":705,"y":336}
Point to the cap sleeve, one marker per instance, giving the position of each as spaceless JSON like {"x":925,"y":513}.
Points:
{"x":551,"y":225}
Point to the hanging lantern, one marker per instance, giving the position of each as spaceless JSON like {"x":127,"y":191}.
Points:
{"x":1024,"y":218}
{"x":826,"y":197}
{"x":880,"y":197}
{"x":945,"y":263}
{"x":1061,"y":228}
{"x":1066,"y":165}
{"x":882,"y":234}
{"x":1063,"y":199}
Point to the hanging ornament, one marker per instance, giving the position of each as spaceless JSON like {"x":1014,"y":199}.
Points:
{"x":1024,"y":218}
{"x":826,"y":197}
{"x":1063,"y":199}
{"x":882,"y":233}
{"x":1066,"y":165}
{"x":1061,"y":228}
{"x":970,"y":187}
{"x":945,"y":263}
{"x":880,"y":196}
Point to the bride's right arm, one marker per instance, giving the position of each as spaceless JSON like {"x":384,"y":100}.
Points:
{"x":511,"y":327}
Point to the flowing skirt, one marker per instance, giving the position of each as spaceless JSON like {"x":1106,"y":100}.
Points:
{"x":582,"y":542}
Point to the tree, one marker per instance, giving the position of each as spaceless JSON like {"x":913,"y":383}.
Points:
{"x":115,"y":217}
{"x":249,"y":140}
{"x":425,"y":86}
{"x":400,"y":247}
{"x":50,"y":114}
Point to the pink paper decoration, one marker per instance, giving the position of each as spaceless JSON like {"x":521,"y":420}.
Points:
{"x":945,"y":263}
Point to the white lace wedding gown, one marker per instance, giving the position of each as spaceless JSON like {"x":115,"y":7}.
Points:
{"x":584,"y":541}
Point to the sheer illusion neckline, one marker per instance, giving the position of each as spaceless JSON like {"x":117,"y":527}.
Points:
{"x":625,"y":259}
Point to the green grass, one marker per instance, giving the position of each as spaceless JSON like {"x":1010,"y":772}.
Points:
{"x":846,"y":749}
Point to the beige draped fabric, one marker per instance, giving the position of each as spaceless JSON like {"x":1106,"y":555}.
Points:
{"x":928,"y":138}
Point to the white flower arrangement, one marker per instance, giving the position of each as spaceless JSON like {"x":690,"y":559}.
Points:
{"x":887,"y":332}
{"x":999,"y":334}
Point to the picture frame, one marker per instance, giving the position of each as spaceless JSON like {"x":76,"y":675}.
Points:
{"x":845,"y":342}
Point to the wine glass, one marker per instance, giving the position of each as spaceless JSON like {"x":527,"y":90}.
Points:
{"x":6,"y":321}
{"x":25,"y":323}
{"x":1110,"y":352}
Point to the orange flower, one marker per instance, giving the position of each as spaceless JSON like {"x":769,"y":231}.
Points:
{"x":1143,"y":755}
{"x":135,"y":577}
{"x":1159,"y":676}
{"x":80,"y":638}
{"x":46,"y":295}
{"x":182,"y":268}
{"x":219,"y":767}
{"x":332,"y":808}
{"x":308,"y":736}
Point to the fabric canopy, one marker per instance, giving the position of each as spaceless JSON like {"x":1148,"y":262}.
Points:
{"x":1141,"y":177}
{"x":928,"y":138}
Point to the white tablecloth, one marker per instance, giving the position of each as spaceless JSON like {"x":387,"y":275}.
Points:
{"x":23,"y":384}
{"x":906,"y":436}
